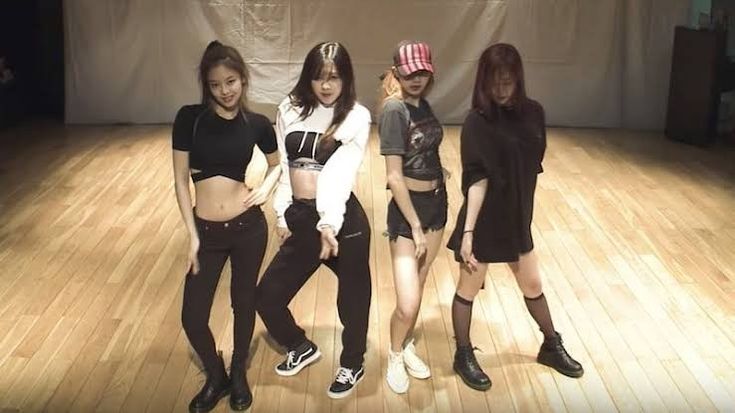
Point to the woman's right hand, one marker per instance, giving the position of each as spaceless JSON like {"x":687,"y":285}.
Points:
{"x":283,"y":234}
{"x":419,"y":240}
{"x":465,"y":251}
{"x":194,"y":255}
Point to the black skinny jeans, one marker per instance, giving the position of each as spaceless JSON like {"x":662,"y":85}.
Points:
{"x":298,"y":259}
{"x":243,"y":239}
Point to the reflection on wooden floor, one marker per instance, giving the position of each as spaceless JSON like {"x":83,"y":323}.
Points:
{"x":635,"y":234}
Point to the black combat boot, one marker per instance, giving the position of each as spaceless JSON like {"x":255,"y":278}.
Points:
{"x":216,"y":387}
{"x":554,"y":355}
{"x":466,"y":365}
{"x":241,"y":398}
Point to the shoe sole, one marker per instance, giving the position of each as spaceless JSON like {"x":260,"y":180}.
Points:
{"x":241,"y":407}
{"x":568,"y":373}
{"x":221,"y":396}
{"x":344,"y":394}
{"x":300,"y":367}
{"x":417,"y":375}
{"x":473,"y":386}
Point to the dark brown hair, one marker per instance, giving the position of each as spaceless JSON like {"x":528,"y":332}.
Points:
{"x":497,"y":59}
{"x":303,"y":96}
{"x":216,"y":54}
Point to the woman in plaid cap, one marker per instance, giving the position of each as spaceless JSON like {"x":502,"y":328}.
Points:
{"x":410,"y":135}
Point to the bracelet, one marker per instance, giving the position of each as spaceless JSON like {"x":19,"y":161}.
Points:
{"x":469,"y":230}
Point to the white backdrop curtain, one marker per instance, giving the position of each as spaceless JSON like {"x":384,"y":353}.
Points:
{"x":591,"y":63}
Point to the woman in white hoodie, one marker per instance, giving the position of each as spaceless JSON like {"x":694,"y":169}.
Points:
{"x":322,"y":133}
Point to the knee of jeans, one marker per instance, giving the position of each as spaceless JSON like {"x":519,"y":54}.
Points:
{"x":240,"y":303}
{"x":355,"y":277}
{"x":264,"y":297}
{"x":193,"y":320}
{"x":259,"y":301}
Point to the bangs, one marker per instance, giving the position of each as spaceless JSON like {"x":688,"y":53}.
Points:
{"x":324,"y":67}
{"x":501,"y":74}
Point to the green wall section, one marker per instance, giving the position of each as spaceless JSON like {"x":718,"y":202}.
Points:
{"x":699,"y":6}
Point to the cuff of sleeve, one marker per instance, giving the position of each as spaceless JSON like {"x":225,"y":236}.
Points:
{"x":333,"y":222}
{"x":388,"y":151}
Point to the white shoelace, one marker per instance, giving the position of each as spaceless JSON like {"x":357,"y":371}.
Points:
{"x":289,"y":358}
{"x":344,"y":375}
{"x":396,"y":358}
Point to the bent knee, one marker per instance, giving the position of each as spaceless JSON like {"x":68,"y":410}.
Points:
{"x":407,"y":311}
{"x":262,"y":297}
{"x":531,"y":288}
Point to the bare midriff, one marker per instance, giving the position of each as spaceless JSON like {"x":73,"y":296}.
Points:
{"x":220,"y":198}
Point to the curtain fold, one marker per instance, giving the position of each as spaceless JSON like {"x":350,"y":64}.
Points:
{"x":602,"y":63}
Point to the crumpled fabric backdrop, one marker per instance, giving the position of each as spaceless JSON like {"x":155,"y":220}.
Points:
{"x":591,"y":63}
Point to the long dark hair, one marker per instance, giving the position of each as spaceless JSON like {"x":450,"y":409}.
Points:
{"x":498,"y":58}
{"x":216,"y":54}
{"x":303,"y":95}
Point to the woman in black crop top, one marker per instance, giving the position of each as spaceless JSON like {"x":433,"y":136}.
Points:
{"x":502,"y":145}
{"x":214,"y":142}
{"x":323,"y":132}
{"x":410,"y":136}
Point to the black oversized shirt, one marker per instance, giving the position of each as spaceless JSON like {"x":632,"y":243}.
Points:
{"x":507,"y":148}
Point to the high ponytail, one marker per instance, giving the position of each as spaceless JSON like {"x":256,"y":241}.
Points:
{"x":216,"y":54}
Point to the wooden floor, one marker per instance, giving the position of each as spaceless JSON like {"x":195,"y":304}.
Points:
{"x":636,"y":238}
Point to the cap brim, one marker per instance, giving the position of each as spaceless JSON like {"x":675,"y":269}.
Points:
{"x":407,"y":69}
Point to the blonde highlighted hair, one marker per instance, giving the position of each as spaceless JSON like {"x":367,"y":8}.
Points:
{"x":390,"y":87}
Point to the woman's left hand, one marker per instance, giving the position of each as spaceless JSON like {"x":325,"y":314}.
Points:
{"x":330,"y":245}
{"x":257,"y":196}
{"x":466,"y":253}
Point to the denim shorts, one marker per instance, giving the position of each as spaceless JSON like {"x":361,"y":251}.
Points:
{"x":430,"y":206}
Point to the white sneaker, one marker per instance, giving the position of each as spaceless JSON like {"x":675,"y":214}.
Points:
{"x":396,"y":375}
{"x":414,"y":365}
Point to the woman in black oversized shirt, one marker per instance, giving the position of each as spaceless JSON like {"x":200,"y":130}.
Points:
{"x":502,"y":144}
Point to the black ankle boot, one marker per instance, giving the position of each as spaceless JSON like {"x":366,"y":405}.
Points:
{"x":466,"y":365}
{"x":241,"y":398}
{"x":216,"y":387}
{"x":554,"y":355}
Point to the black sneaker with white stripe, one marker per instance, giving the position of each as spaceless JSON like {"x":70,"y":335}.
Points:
{"x":298,"y":358}
{"x":345,"y":381}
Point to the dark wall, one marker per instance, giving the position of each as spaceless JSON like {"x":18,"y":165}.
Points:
{"x":729,"y":7}
{"x":32,"y":39}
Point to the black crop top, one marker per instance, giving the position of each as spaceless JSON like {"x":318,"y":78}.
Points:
{"x":219,"y":146}
{"x":302,"y":144}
